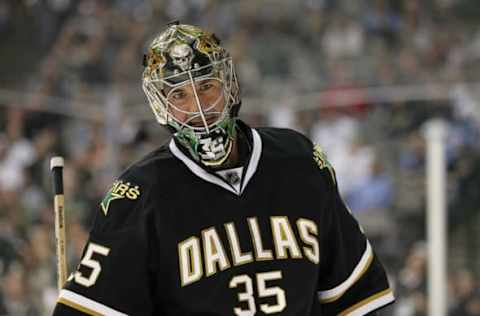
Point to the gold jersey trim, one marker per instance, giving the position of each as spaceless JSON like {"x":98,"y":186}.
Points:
{"x":78,"y":307}
{"x":86,"y":305}
{"x":334,"y":294}
{"x":370,"y":303}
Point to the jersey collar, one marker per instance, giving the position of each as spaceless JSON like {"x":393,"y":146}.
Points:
{"x":215,"y":179}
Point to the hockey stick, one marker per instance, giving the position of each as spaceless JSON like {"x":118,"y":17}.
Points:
{"x":56,"y":166}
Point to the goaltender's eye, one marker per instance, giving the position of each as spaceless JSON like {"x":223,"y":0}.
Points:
{"x":178,"y":95}
{"x":206,"y":86}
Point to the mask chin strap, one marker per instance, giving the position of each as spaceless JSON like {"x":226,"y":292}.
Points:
{"x":209,"y":149}
{"x":199,"y":105}
{"x":219,"y":162}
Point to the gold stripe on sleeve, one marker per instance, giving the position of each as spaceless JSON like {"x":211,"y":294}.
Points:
{"x":365,"y":302}
{"x":78,"y":307}
{"x":336,"y":297}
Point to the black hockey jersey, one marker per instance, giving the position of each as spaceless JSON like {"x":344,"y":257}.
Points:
{"x":270,"y":238}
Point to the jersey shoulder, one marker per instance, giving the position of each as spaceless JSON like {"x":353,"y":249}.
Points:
{"x":284,"y":142}
{"x":290,"y":144}
{"x":127,"y":200}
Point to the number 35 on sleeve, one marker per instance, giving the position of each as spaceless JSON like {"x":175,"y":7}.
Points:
{"x":89,"y":262}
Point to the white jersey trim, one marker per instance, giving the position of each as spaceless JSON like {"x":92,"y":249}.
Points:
{"x":335,"y":293}
{"x":82,"y":301}
{"x":202,"y":173}
{"x":370,"y":304}
{"x":254,"y":160}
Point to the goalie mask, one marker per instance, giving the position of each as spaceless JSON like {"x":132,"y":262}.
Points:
{"x":190,"y":83}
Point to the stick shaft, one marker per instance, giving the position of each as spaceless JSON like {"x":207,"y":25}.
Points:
{"x":60,"y":240}
{"x":56,"y":165}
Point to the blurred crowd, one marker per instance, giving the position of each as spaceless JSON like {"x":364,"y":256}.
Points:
{"x":70,"y":85}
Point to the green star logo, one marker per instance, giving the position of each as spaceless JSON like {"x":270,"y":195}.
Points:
{"x":119,"y":190}
{"x":322,"y":161}
{"x":109,"y":198}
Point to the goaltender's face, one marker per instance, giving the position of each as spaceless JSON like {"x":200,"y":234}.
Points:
{"x":186,"y":102}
